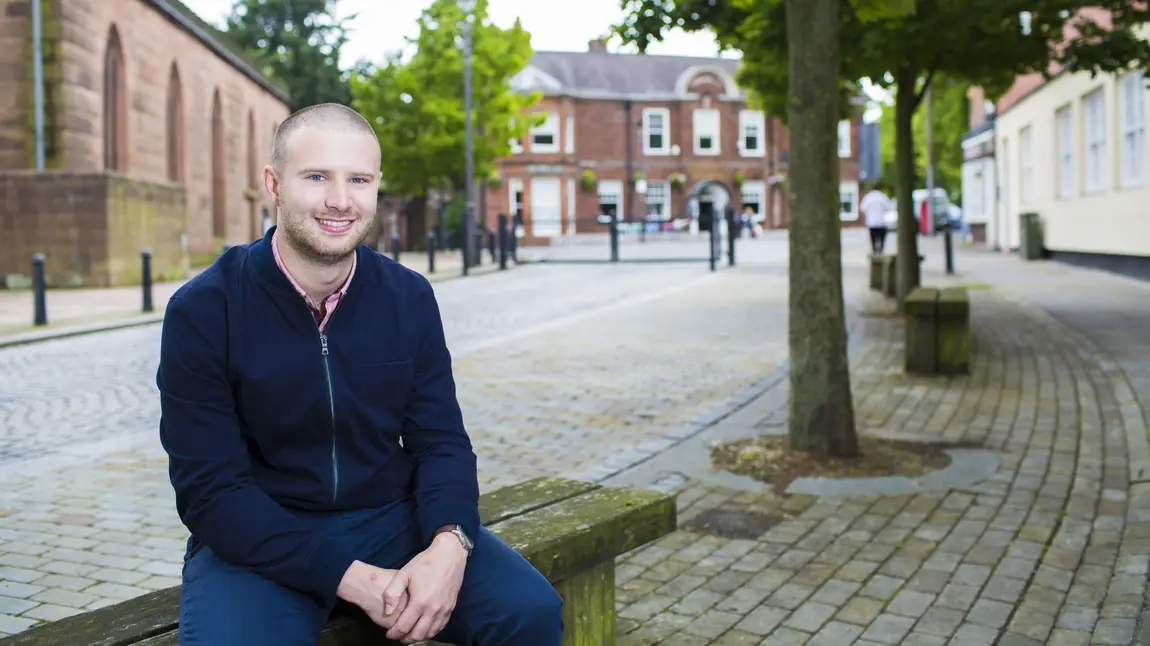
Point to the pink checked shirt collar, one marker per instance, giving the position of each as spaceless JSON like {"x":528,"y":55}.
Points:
{"x":320,"y":311}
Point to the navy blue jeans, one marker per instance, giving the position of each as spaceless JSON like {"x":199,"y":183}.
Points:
{"x":504,"y":601}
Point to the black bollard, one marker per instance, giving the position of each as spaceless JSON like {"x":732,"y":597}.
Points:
{"x":491,"y":244}
{"x":475,"y":246}
{"x":39,"y":291}
{"x":146,"y":278}
{"x":731,"y":243}
{"x":395,"y":247}
{"x":503,"y":241}
{"x":431,"y":240}
{"x":714,"y":243}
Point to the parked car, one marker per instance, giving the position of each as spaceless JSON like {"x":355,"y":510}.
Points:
{"x":945,"y":212}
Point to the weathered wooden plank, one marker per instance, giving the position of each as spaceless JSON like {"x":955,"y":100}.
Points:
{"x":528,"y":496}
{"x":572,"y":536}
{"x":122,"y":624}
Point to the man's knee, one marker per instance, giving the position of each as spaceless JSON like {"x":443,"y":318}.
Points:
{"x":539,"y":612}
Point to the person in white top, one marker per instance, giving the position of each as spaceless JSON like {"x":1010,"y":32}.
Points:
{"x":875,"y":205}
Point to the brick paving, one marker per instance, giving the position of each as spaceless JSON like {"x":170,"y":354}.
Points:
{"x":1053,"y":549}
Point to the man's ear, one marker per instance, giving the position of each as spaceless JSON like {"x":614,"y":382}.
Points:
{"x":272,"y":184}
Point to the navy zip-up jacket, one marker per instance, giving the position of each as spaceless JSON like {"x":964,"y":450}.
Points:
{"x":265,"y":420}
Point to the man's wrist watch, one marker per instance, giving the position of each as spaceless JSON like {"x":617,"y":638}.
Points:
{"x":463,"y":538}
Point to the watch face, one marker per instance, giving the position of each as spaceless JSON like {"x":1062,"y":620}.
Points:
{"x":466,"y":539}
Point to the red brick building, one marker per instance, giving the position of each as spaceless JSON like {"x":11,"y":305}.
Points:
{"x":156,"y":133}
{"x":680,"y":124}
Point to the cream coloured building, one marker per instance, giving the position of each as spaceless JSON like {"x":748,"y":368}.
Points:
{"x":1074,"y":150}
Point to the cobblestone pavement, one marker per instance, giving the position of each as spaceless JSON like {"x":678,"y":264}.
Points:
{"x":613,"y":360}
{"x":1053,"y":549}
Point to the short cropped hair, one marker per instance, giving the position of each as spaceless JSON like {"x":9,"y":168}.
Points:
{"x":332,"y":115}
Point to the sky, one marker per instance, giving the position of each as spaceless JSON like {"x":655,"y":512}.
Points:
{"x":381,"y":25}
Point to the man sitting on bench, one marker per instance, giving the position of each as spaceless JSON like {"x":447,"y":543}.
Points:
{"x":316,"y":445}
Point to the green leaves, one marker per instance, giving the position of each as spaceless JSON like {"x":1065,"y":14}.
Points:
{"x":297,"y":43}
{"x":417,"y":106}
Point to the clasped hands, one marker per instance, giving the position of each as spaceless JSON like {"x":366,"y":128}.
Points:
{"x":413,"y":603}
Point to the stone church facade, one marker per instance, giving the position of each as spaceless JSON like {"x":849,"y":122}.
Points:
{"x":156,"y":131}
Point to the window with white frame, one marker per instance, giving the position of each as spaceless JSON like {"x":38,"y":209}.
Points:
{"x":656,"y":131}
{"x":1132,"y":126}
{"x":610,"y":200}
{"x":569,"y":142}
{"x":1067,"y":167}
{"x":845,"y":138}
{"x":752,"y":124}
{"x":545,"y":137}
{"x":658,"y":201}
{"x":705,"y":123}
{"x":1026,"y":163}
{"x":1094,"y":124}
{"x":753,"y":194}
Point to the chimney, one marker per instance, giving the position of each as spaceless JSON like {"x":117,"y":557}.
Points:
{"x":597,"y":45}
{"x":977,"y":98}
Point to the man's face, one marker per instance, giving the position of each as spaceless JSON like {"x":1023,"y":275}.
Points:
{"x":327,"y":191}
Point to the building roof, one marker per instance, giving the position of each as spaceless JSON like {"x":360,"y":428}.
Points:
{"x":218,"y":42}
{"x":607,"y":75}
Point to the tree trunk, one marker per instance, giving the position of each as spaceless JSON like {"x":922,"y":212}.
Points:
{"x":908,"y":267}
{"x":821,"y":418}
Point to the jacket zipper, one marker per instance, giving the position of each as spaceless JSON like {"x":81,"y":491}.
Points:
{"x":331,"y":402}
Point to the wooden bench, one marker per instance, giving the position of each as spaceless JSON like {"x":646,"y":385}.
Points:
{"x":570,"y":531}
{"x":937,"y":331}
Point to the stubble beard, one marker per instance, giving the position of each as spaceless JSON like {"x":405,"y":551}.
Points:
{"x":304,"y":236}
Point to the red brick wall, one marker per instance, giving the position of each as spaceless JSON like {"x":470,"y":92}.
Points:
{"x":90,"y":227}
{"x":151,"y":45}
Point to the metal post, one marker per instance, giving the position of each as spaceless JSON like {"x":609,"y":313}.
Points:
{"x":38,"y":81}
{"x":929,"y":100}
{"x":491,"y":244}
{"x":39,"y":293}
{"x":395,"y":247}
{"x":503,"y":241}
{"x":146,"y":278}
{"x":431,"y":252}
{"x":731,"y":240}
{"x":476,"y":249}
{"x":468,"y":233}
{"x":714,"y":242}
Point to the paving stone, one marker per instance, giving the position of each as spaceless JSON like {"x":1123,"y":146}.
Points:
{"x":810,"y":616}
{"x":888,"y":629}
{"x":762,"y":620}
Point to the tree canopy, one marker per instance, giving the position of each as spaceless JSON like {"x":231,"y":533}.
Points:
{"x":297,"y":43}
{"x":417,"y":106}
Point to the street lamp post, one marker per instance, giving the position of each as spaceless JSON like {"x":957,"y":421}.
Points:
{"x":468,"y":235}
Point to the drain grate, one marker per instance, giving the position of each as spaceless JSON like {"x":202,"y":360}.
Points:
{"x":732,"y":523}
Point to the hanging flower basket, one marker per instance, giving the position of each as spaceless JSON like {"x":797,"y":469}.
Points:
{"x":588,"y":180}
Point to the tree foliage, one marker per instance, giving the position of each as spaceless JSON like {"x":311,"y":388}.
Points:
{"x":417,"y":106}
{"x":297,"y":43}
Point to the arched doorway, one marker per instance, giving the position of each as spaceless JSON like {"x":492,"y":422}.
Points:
{"x":706,"y":204}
